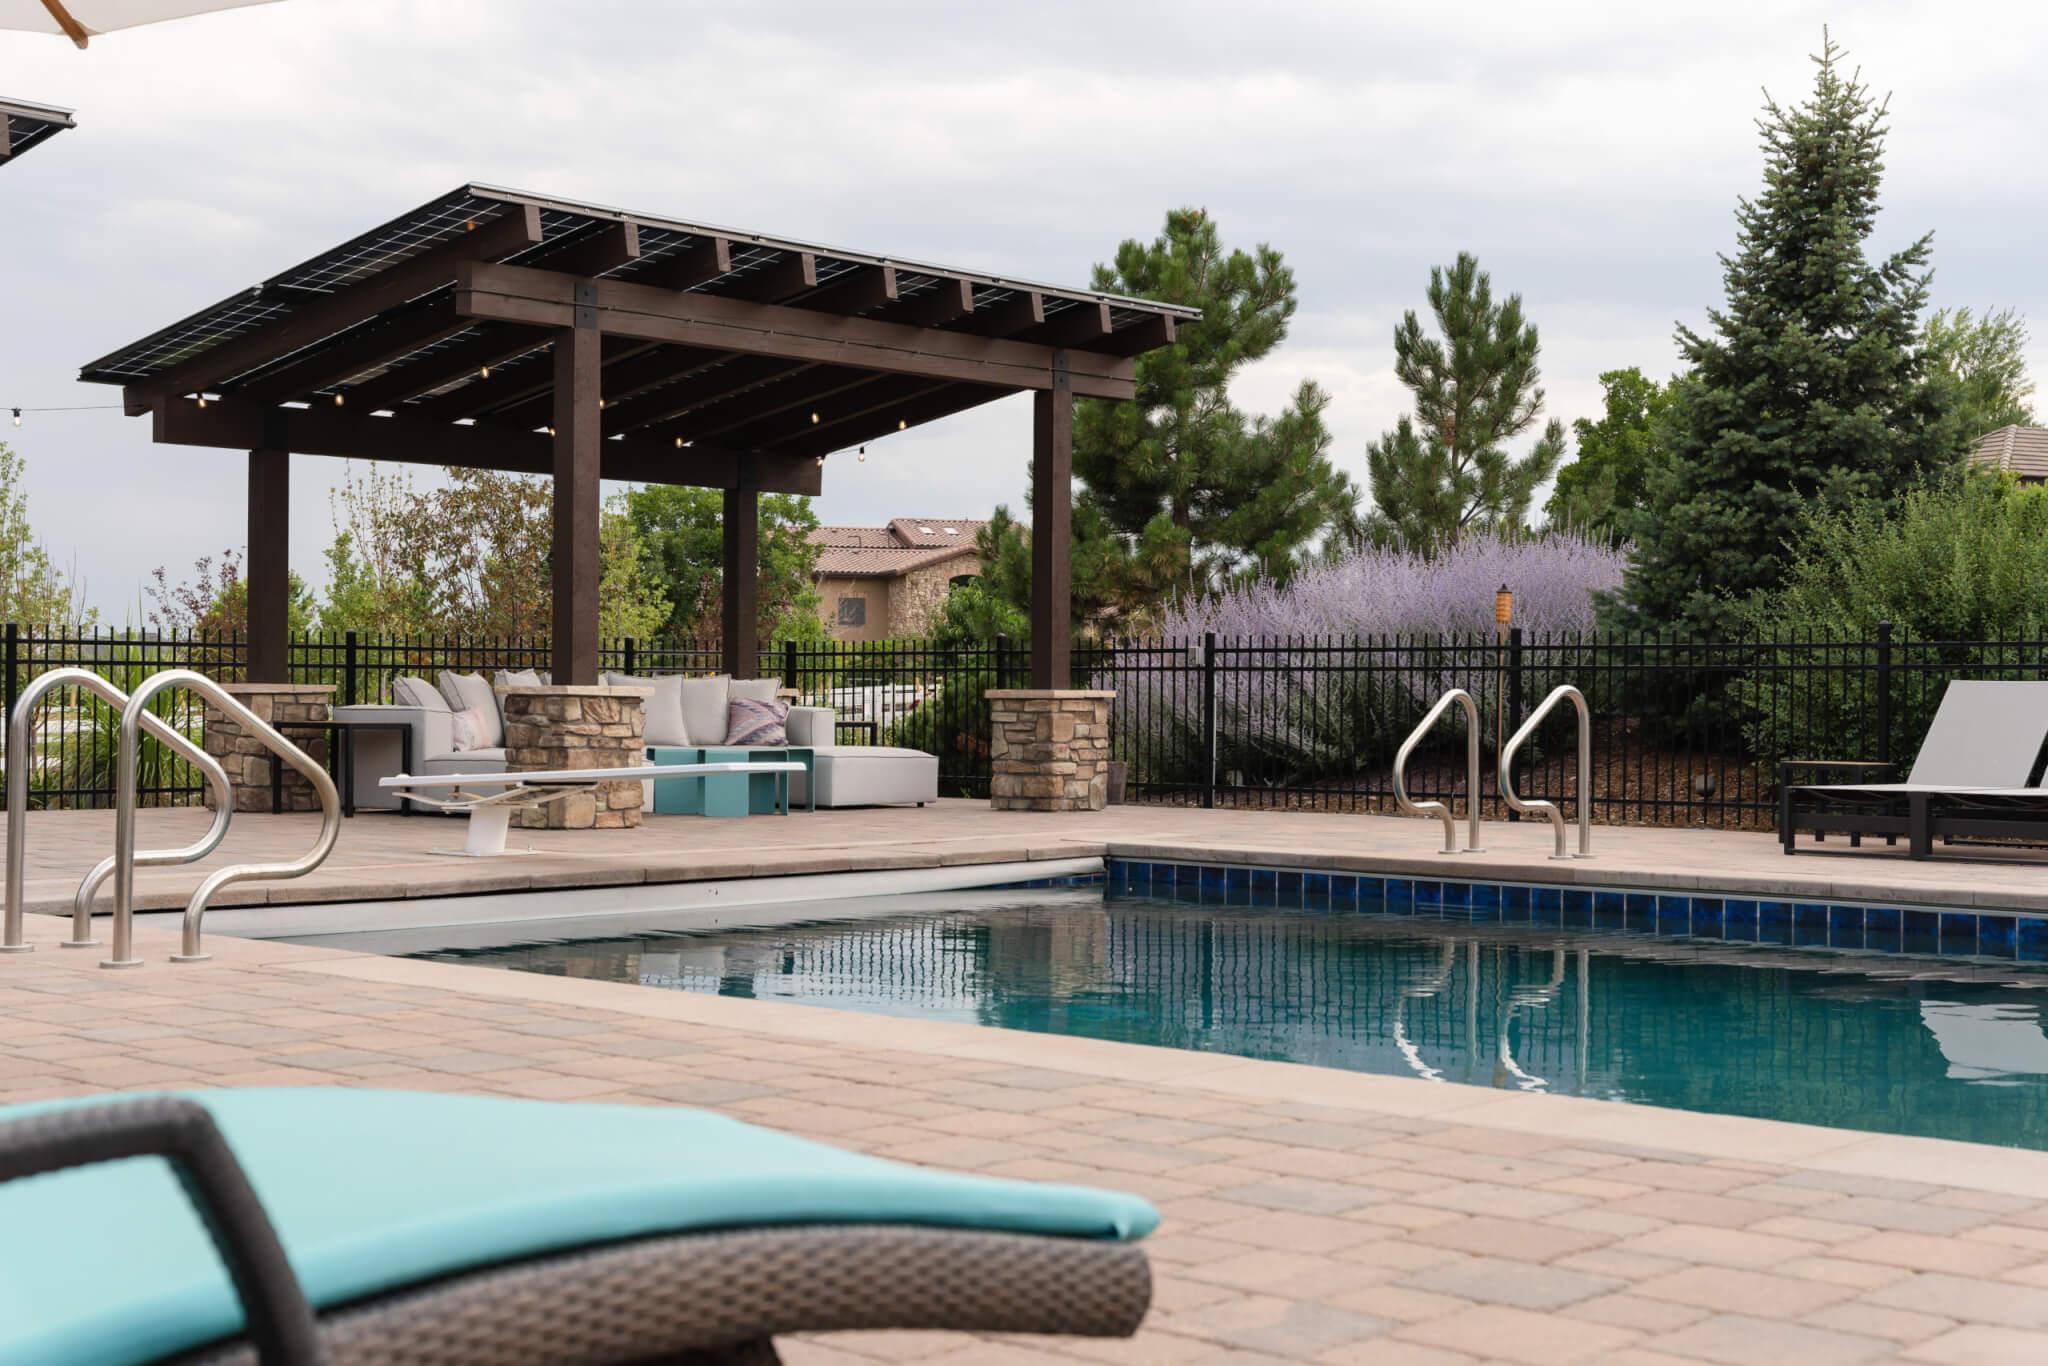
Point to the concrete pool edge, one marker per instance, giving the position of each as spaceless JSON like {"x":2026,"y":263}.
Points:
{"x":1724,"y":1138}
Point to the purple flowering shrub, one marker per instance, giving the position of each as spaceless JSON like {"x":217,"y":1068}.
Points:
{"x":1327,"y":673}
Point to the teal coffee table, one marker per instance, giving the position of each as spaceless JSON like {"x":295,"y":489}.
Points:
{"x":730,"y":794}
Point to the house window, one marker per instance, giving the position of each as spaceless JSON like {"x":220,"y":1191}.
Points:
{"x":853,"y":611}
{"x":961,"y":580}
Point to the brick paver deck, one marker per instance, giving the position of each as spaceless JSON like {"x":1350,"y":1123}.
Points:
{"x":1310,"y":1214}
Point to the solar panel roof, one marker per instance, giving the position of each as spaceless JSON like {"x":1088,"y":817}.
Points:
{"x":27,"y":124}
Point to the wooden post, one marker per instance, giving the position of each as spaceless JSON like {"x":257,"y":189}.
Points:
{"x":268,"y":568}
{"x":1052,"y":529}
{"x":742,"y":574}
{"x":579,"y":363}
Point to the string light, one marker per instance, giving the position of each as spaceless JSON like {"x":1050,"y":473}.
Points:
{"x":337,"y":400}
{"x":863,"y":456}
{"x":814,"y":417}
{"x":679,"y":443}
{"x":17,"y":417}
{"x":901,"y":424}
{"x":202,"y":400}
{"x":484,"y":372}
{"x":821,"y":462}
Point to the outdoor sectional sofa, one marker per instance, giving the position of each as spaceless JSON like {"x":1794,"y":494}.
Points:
{"x":285,"y":1227}
{"x":1979,"y":773}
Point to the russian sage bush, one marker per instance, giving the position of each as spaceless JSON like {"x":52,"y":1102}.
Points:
{"x":1324,"y":675}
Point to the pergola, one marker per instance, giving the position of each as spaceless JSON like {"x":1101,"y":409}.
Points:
{"x":499,"y":330}
{"x":23,"y":125}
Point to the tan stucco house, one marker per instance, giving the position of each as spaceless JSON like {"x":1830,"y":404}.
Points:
{"x":881,"y":582}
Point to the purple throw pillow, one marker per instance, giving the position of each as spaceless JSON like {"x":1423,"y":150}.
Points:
{"x":756,"y":723}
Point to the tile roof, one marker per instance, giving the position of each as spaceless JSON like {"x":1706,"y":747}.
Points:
{"x":905,"y":544}
{"x":873,"y":562}
{"x":2021,"y":450}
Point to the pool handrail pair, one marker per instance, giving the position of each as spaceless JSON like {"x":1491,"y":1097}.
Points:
{"x":135,"y":718}
{"x":1504,"y":774}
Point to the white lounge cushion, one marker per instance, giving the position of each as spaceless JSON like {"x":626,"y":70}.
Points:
{"x":463,"y":761}
{"x":519,"y":678}
{"x":704,"y":712}
{"x":408,"y":691}
{"x":875,"y":775}
{"x":464,"y":691}
{"x":753,"y":689}
{"x":663,"y":710}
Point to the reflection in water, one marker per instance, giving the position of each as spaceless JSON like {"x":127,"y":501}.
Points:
{"x":1786,"y":1035}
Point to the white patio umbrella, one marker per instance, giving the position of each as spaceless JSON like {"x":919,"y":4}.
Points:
{"x":81,"y":20}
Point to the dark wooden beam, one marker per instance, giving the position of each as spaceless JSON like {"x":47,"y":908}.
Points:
{"x":541,"y":298}
{"x":1082,"y":325}
{"x":1021,"y":312}
{"x":366,"y":350}
{"x":693,"y":266}
{"x":914,"y":403}
{"x":655,"y":412}
{"x":861,"y":394}
{"x":350,"y":434}
{"x":594,"y":255}
{"x":493,"y":345}
{"x":793,"y":403}
{"x":268,"y":565}
{"x":858,"y":291}
{"x":629,"y":368}
{"x":1147,"y":334}
{"x":519,"y":394}
{"x":796,"y":273}
{"x":936,"y":307}
{"x":1052,"y":531}
{"x":319,"y":319}
{"x":740,"y":534}
{"x":578,"y":363}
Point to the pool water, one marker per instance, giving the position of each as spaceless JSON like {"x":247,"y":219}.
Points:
{"x":1862,"y":1041}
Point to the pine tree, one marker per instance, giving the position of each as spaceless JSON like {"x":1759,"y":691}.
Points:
{"x":1182,"y":471}
{"x":1812,"y":387}
{"x":1607,"y":479}
{"x":1448,"y":469}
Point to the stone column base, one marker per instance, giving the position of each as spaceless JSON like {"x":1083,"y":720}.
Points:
{"x":1049,"y":750}
{"x":248,"y":760}
{"x":566,"y":727}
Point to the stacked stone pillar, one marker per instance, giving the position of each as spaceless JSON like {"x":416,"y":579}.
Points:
{"x":577,"y":727}
{"x":1050,"y":749}
{"x":248,"y":760}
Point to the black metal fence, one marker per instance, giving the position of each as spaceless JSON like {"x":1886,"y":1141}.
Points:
{"x":1685,"y":732}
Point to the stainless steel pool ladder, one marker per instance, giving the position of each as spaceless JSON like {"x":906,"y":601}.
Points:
{"x":1507,"y":768}
{"x":21,"y":738}
{"x":1442,"y":810}
{"x":124,"y":815}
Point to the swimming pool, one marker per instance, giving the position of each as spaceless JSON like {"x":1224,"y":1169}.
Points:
{"x":1947,"y":1048}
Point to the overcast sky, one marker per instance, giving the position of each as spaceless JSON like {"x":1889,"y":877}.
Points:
{"x":1589,"y":154}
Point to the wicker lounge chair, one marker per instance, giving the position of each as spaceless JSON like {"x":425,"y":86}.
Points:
{"x":295,"y":1226}
{"x":1977,"y":773}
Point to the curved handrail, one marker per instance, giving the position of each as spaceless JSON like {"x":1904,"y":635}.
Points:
{"x":1415,"y":992}
{"x":124,"y":816}
{"x":1442,"y":810}
{"x":1528,"y":996}
{"x":1507,"y":768}
{"x":20,"y":734}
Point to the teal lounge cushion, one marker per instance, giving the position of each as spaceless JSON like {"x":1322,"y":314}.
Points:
{"x":372,"y":1190}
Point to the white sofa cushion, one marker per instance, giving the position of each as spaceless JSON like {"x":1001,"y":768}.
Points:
{"x":875,"y":775}
{"x":704,"y":713}
{"x":464,"y":691}
{"x":409,"y":691}
{"x":465,"y":761}
{"x":663,"y":710}
{"x":519,"y":678}
{"x":752,"y":689}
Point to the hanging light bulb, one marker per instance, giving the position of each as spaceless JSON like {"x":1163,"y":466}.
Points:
{"x":863,"y":456}
{"x":814,"y":417}
{"x":484,"y":372}
{"x":17,"y":417}
{"x":901,"y":424}
{"x":679,"y":443}
{"x":337,"y":400}
{"x":551,"y":431}
{"x":821,"y":462}
{"x":600,"y":405}
{"x":202,"y":400}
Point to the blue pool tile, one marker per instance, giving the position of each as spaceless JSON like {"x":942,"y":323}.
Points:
{"x":1454,"y":896}
{"x":1428,"y":895}
{"x":1608,"y":911}
{"x":1674,"y":914}
{"x":1881,"y":928}
{"x":1514,"y":903}
{"x":1237,"y":879}
{"x":1400,"y":896}
{"x":1958,"y":933}
{"x":1343,"y":891}
{"x":1845,"y":927}
{"x":1265,"y":881}
{"x":1291,"y":882}
{"x":1738,"y":920}
{"x":1995,"y":936}
{"x":1213,"y":876}
{"x":1774,"y":922}
{"x":1237,"y":894}
{"x":1315,"y":884}
{"x":1486,"y":894}
{"x":1371,"y":891}
{"x":1920,"y":932}
{"x":2031,"y":939}
{"x":1163,"y":875}
{"x":1707,"y":917}
{"x":1641,"y":910}
{"x":1810,"y":924}
{"x":1578,"y":908}
{"x":1546,"y":906}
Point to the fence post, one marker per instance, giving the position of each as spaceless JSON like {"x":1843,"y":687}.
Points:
{"x":1884,"y":692}
{"x":13,"y":666}
{"x":789,"y":667}
{"x":1514,"y":702}
{"x":348,"y":667}
{"x":630,"y":652}
{"x":1208,"y":718}
{"x":1002,"y":660}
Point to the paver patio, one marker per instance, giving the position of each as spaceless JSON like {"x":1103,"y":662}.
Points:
{"x":1310,"y":1214}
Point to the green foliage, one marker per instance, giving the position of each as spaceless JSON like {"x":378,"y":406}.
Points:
{"x":1812,"y":386}
{"x":632,"y":599}
{"x":33,"y":591}
{"x":681,"y":531}
{"x":1985,"y":360}
{"x":1448,"y":470}
{"x":214,"y":602}
{"x":1181,"y":475}
{"x":1119,"y":584}
{"x":972,"y":615}
{"x":1609,"y":478}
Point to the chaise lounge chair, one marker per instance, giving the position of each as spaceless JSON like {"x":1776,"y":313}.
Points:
{"x":1977,"y":773}
{"x":340,"y":1226}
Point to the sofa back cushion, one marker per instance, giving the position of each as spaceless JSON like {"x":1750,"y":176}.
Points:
{"x":519,"y":678}
{"x":663,"y":710}
{"x":473,"y":691}
{"x":408,"y":691}
{"x":703,"y":701}
{"x":753,"y":689}
{"x":751,"y":722}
